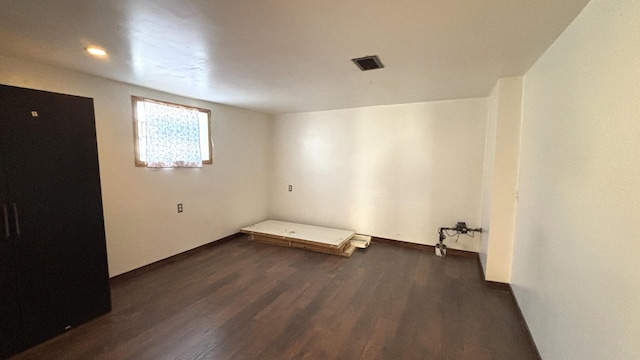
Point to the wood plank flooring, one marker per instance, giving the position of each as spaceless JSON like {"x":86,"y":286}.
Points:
{"x":248,"y":300}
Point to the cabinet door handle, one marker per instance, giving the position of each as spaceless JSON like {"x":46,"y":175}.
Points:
{"x":6,"y":220}
{"x":15,"y":212}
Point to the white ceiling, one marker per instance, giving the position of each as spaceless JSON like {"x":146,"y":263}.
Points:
{"x":282,"y":56}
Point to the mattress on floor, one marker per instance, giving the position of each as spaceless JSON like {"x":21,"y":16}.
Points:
{"x":316,"y":238}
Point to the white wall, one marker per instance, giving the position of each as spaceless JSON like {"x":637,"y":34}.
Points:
{"x":500,"y":179}
{"x":488,"y":174}
{"x":142,"y":225}
{"x":575,"y":268}
{"x":397,"y":172}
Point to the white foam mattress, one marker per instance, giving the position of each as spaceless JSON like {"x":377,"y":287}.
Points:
{"x":308,"y":233}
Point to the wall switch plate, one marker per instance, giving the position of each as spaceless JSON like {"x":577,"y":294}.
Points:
{"x":179,"y":208}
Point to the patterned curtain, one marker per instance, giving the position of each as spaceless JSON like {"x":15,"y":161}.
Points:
{"x":173,"y":136}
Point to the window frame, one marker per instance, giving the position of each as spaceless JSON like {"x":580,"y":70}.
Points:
{"x":136,"y":138}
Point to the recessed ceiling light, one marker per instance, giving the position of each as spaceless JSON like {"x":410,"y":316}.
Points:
{"x":95,"y":51}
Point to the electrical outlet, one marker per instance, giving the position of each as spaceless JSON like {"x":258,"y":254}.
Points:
{"x":179,"y":208}
{"x":290,"y":188}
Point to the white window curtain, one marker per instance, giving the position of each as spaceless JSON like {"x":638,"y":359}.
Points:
{"x":173,"y":136}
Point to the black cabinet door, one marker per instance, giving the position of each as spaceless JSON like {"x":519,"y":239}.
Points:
{"x":9,"y":312}
{"x":55,"y":209}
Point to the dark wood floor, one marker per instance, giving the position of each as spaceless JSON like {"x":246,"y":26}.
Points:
{"x":247,"y":300}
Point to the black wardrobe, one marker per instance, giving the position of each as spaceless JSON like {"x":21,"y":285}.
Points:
{"x":53,"y":263}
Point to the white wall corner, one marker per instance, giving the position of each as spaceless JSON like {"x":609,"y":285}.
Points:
{"x":487,"y":176}
{"x":499,"y":206}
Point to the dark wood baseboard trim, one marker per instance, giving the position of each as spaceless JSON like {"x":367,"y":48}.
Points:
{"x":171,"y":259}
{"x":524,"y":324}
{"x":424,"y":247}
{"x":500,"y":286}
{"x":402,"y":243}
{"x":480,"y":269}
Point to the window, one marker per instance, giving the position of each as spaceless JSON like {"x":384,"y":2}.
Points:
{"x":170,"y":135}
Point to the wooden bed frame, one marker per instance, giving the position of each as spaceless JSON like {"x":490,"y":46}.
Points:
{"x":314,"y":238}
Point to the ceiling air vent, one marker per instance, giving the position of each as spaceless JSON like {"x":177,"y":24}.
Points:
{"x":368,"y":63}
